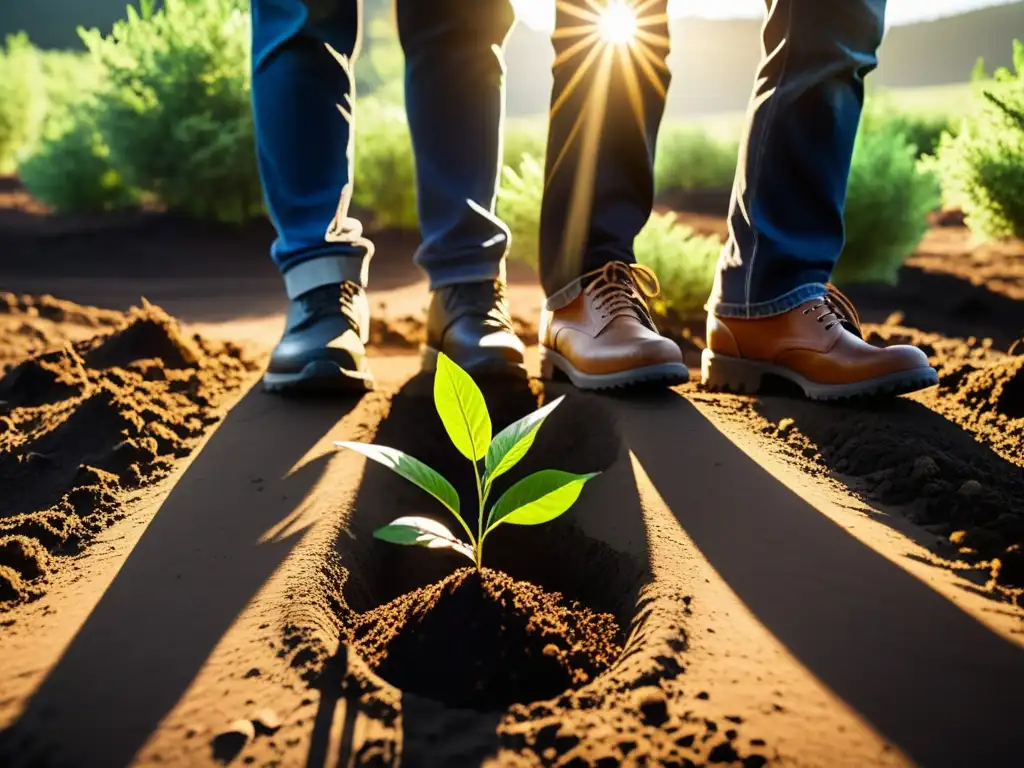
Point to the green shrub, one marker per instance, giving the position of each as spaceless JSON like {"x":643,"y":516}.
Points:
{"x":69,"y":169}
{"x":922,"y":129}
{"x":982,"y":167}
{"x":524,"y":136}
{"x":684,"y":261}
{"x":174,"y":107}
{"x":889,"y":197}
{"x":21,"y":100}
{"x":385,"y":172}
{"x":522,"y":186}
{"x":690,"y":158}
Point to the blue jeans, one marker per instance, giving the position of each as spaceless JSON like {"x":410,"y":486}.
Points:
{"x":786,"y":215}
{"x":455,"y":105}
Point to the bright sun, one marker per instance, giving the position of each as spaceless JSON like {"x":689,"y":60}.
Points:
{"x":617,"y":22}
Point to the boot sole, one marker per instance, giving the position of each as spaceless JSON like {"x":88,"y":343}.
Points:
{"x":483,"y":367}
{"x":553,"y":364}
{"x":318,"y":377}
{"x":721,"y":373}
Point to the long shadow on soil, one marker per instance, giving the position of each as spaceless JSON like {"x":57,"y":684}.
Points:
{"x":195,"y":568}
{"x":930,"y":678}
{"x":595,"y":554}
{"x":884,"y":452}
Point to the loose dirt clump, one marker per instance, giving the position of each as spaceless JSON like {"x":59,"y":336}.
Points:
{"x":88,"y":421}
{"x":484,"y":641}
{"x":949,"y":458}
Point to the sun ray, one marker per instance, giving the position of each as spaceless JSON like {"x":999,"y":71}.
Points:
{"x":643,"y":60}
{"x":642,"y":7}
{"x":574,"y":81}
{"x":564,"y":150}
{"x":650,"y":21}
{"x":636,"y":98}
{"x":581,"y":29}
{"x":579,"y":13}
{"x":660,"y":41}
{"x":583,"y":189}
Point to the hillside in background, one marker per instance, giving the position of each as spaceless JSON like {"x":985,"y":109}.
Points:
{"x":713,"y":61}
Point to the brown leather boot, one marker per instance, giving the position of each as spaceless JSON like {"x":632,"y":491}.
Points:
{"x":604,"y":337}
{"x":818,"y":346}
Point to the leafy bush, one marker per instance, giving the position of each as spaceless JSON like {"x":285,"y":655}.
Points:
{"x":524,"y":136}
{"x":519,"y":197}
{"x":174,"y":107}
{"x":982,"y":167}
{"x":385,"y":171}
{"x":684,"y":261}
{"x":922,"y":128}
{"x":21,"y":103}
{"x":69,"y":168}
{"x":690,"y":158}
{"x":889,"y":197}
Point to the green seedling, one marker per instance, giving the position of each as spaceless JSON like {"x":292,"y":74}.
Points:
{"x":537,"y":498}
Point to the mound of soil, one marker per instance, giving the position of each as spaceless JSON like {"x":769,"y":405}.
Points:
{"x":86,"y":421}
{"x":482,"y":640}
{"x":949,"y":457}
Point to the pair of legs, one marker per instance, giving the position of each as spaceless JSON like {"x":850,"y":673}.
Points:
{"x":785,"y":222}
{"x":304,"y":108}
{"x":772,"y":310}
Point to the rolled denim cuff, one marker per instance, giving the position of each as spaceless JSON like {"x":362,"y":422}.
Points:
{"x":563,"y":297}
{"x":776,"y":306}
{"x":331,"y":269}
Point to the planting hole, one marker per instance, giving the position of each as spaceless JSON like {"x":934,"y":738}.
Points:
{"x":552,"y":606}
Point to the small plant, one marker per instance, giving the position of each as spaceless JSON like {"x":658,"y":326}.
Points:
{"x":537,"y":498}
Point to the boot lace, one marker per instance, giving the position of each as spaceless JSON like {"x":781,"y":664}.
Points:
{"x":836,"y":309}
{"x":327,"y":300}
{"x":619,"y":289}
{"x":487,"y":299}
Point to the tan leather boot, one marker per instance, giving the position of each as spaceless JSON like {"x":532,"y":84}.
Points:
{"x":604,"y":337}
{"x":818,"y":346}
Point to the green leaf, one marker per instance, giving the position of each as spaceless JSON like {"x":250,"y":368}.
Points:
{"x":511,"y":444}
{"x":413,"y":470}
{"x":422,"y":532}
{"x":538,"y":498}
{"x":462,"y":409}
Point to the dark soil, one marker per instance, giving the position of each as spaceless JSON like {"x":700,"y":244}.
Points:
{"x":949,"y":459}
{"x":85,"y":422}
{"x":482,"y":640}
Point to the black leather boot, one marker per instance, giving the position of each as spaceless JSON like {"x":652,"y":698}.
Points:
{"x":471,"y":324}
{"x":324,"y":344}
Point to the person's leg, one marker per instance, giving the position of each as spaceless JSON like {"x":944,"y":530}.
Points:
{"x":606,"y":107}
{"x":771,"y":310}
{"x":455,"y":102}
{"x":300,"y":89}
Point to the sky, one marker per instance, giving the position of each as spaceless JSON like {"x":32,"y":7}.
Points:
{"x":540,"y":14}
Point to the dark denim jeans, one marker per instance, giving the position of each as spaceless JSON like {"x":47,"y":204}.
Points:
{"x":786,"y":216}
{"x":455,"y":104}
